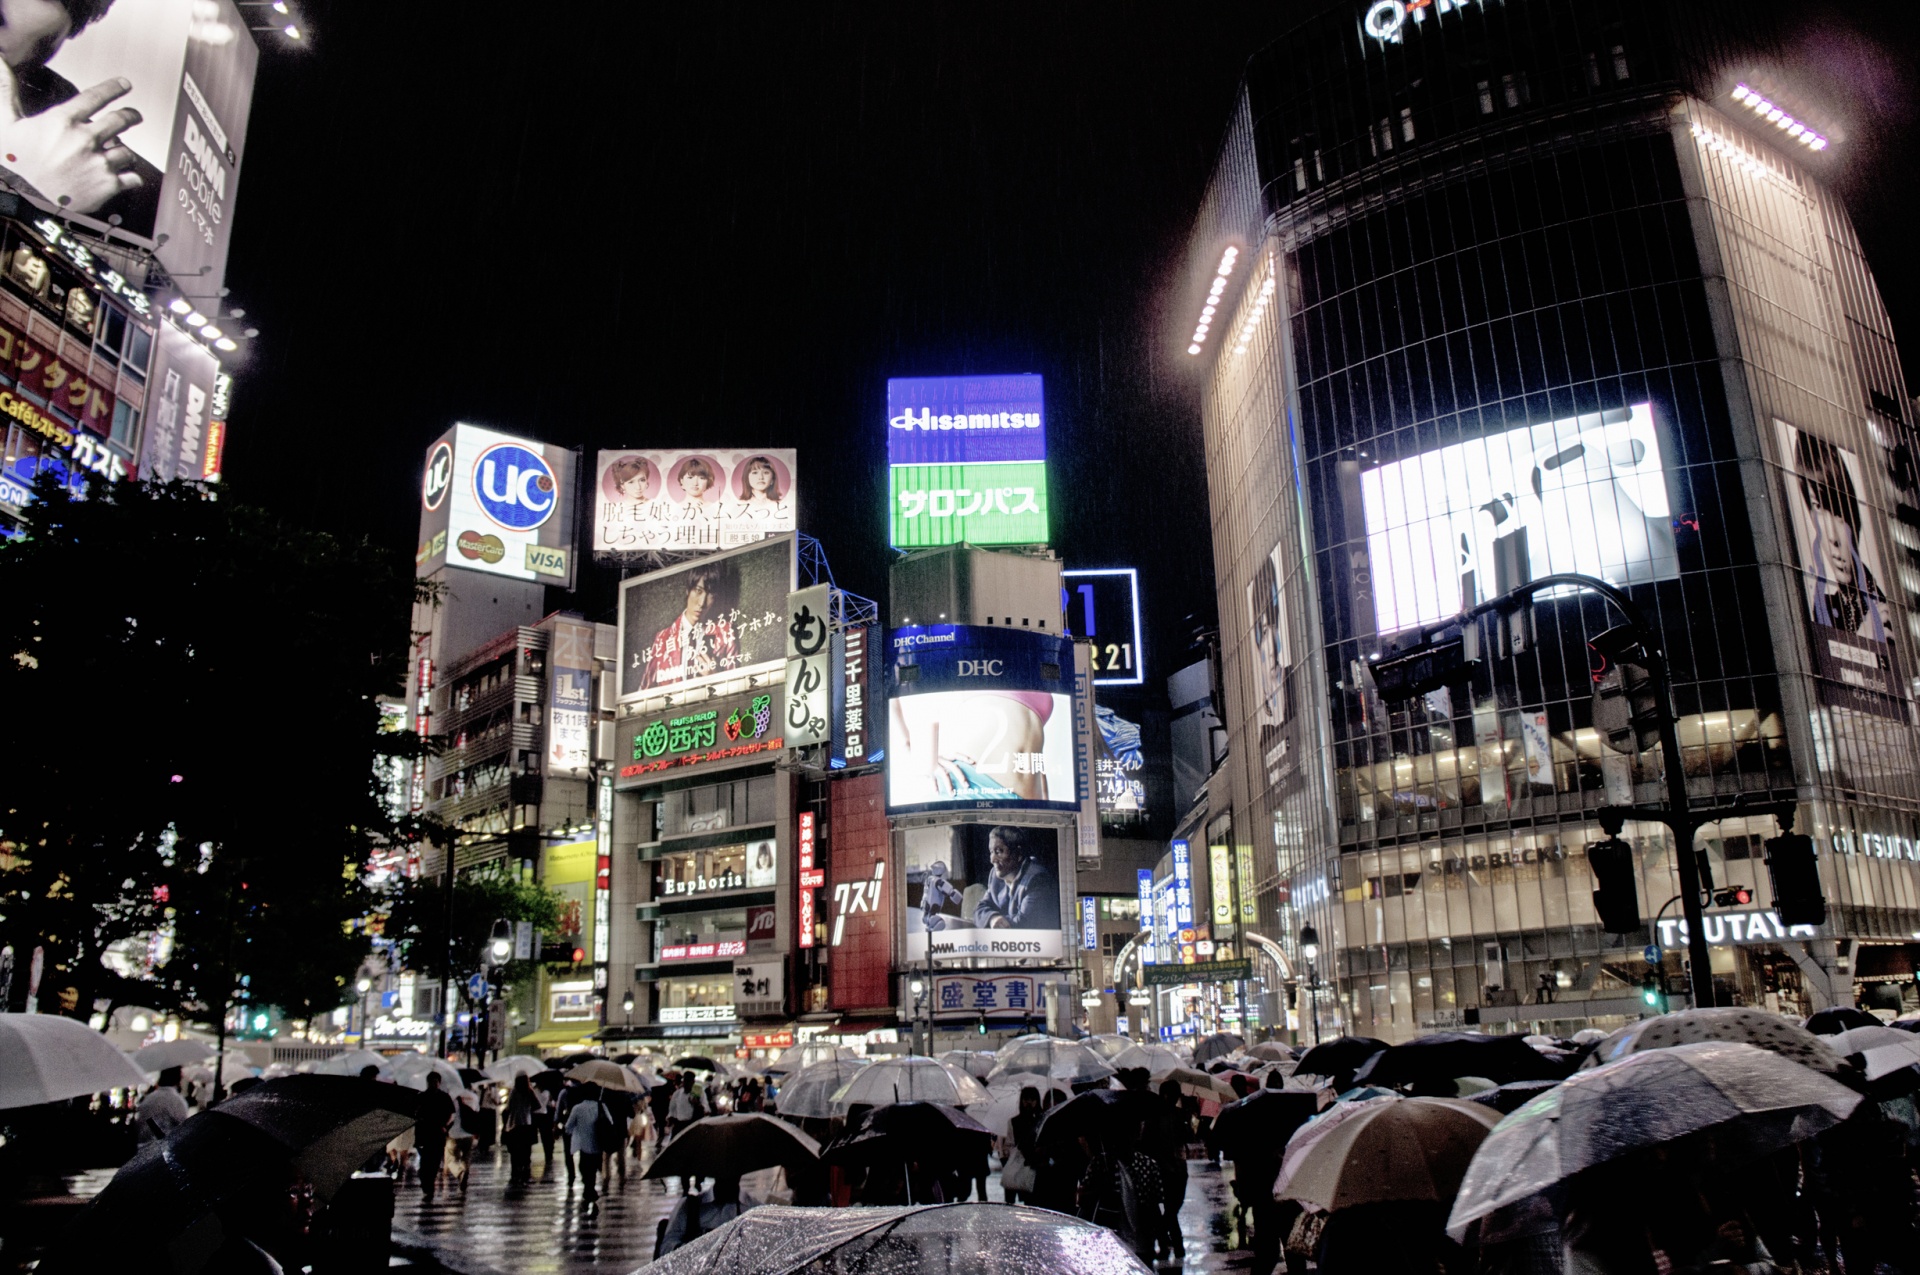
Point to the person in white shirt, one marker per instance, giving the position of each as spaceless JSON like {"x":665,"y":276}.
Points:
{"x":162,"y":1110}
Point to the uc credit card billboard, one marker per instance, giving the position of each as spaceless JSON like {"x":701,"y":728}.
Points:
{"x":967,"y":460}
{"x":979,"y":718}
{"x":497,"y":504}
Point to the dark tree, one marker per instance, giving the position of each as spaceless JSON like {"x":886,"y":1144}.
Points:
{"x":417,"y":921}
{"x":192,"y":682}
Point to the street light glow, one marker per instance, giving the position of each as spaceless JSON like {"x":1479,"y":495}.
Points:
{"x":1798,"y":130}
{"x":1212,"y":303}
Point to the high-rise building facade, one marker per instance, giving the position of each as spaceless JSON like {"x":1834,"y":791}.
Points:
{"x":1485,"y":291}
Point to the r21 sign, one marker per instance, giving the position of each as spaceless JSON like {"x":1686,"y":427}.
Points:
{"x":1103,"y":606}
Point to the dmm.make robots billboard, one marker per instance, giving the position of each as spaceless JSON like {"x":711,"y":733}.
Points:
{"x":967,"y":460}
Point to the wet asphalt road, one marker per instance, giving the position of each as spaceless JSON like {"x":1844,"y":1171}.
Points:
{"x":543,"y":1229}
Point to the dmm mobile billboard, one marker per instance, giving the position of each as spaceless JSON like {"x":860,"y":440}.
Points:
{"x":179,"y":410}
{"x":983,"y":890}
{"x":705,"y":622}
{"x":170,"y":171}
{"x":967,"y":458}
{"x":980,"y":717}
{"x":691,"y":500}
{"x":495,"y":503}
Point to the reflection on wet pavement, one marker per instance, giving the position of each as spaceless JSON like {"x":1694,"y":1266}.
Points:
{"x":543,"y":1228}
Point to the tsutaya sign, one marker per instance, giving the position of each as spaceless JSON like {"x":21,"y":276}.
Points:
{"x":1736,"y":927}
{"x":1386,"y":20}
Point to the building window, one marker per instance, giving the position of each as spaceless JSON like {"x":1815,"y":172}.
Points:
{"x":125,"y":421}
{"x":1593,"y":71}
{"x":1486,"y":98}
{"x":1300,"y":173}
{"x":1406,"y":123}
{"x":1619,"y":61}
{"x":1514,"y":87}
{"x":1385,"y":137}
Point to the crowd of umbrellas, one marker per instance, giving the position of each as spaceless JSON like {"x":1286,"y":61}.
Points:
{"x":1719,"y":1136}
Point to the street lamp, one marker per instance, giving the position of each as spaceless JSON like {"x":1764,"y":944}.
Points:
{"x":919,"y":989}
{"x":626,"y":1004}
{"x":1310,"y":949}
{"x":364,"y":986}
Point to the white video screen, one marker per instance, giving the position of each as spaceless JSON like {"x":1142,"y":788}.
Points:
{"x":1586,"y":495}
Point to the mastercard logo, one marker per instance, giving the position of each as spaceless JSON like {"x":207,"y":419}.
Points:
{"x":479,"y":548}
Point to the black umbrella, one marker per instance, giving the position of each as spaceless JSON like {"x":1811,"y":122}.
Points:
{"x":551,"y":1081}
{"x":1339,"y":1059}
{"x":567,"y":1062}
{"x":1509,"y":1098}
{"x":1840,"y":1018}
{"x":1262,"y":1120}
{"x":1451,"y":1055}
{"x":471,"y":1076}
{"x":732,"y":1145}
{"x":1217,"y":1045}
{"x":697,"y":1060}
{"x":1095,"y":1114}
{"x":222,"y":1179}
{"x":929,"y":1132}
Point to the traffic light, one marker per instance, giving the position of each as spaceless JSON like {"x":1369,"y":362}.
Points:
{"x":1618,"y":898}
{"x":1795,"y":872}
{"x":1424,"y":668}
{"x":1626,"y":707}
{"x":1653,"y":991}
{"x":983,"y":1025}
{"x":1734,"y":897}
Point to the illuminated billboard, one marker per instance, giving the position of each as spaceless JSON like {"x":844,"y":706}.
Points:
{"x":497,"y":504}
{"x":169,"y":171}
{"x":691,"y":500}
{"x":1103,"y":606}
{"x":968,"y":460}
{"x":706,"y":622}
{"x":980,"y":717}
{"x":179,"y":403}
{"x":1460,"y":524}
{"x":983,"y":890}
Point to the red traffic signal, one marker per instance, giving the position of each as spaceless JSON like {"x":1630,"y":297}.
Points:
{"x":579,"y":955}
{"x":1738,"y":896}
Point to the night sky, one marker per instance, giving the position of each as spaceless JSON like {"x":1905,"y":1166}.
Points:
{"x":728,"y":225}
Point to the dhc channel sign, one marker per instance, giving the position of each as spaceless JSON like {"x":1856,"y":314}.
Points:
{"x":514,"y":487}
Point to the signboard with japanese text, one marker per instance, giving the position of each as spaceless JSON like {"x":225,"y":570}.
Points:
{"x":860,"y":923}
{"x":978,"y":504}
{"x":760,"y":988}
{"x":1243,"y":885}
{"x":497,"y":504}
{"x":858,"y":738}
{"x":1144,"y":883}
{"x":570,"y":698}
{"x":809,"y":667}
{"x":678,"y":501}
{"x":988,"y":995}
{"x":980,"y":717}
{"x":1200,"y":972}
{"x":1090,"y":923}
{"x":706,"y":948}
{"x":983,"y":890}
{"x":188,"y":67}
{"x":708,"y":621}
{"x":181,"y":389}
{"x":1180,"y":914}
{"x":809,"y":878}
{"x":733,"y":728}
{"x":1220,"y":883}
{"x":1087,"y":827}
{"x":53,"y":419}
{"x":1103,"y":606}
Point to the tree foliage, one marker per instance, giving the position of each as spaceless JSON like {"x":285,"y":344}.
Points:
{"x":192,"y":682}
{"x":417,"y":921}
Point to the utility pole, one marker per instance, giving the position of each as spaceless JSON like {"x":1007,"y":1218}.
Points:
{"x":1428,"y":666}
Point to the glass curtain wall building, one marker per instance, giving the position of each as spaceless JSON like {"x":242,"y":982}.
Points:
{"x":1483,"y":291}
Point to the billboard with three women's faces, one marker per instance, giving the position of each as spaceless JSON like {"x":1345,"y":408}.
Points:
{"x":718,"y":498}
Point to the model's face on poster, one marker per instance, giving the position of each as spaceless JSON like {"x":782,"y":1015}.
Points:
{"x":1833,"y":539}
{"x":30,"y":31}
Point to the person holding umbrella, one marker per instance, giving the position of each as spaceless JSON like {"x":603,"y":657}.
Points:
{"x":162,"y":1109}
{"x":432,"y":1120}
{"x":1017,"y":1175}
{"x":588,"y":1137}
{"x":1121,"y":1189}
{"x":696,"y":1215}
{"x":521,"y":1129}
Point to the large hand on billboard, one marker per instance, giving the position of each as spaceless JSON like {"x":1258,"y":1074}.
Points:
{"x":65,"y":152}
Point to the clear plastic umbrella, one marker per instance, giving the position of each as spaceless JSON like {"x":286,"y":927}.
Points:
{"x":909,"y":1079}
{"x":353,"y":1062}
{"x":45,"y":1058}
{"x":981,"y":1239}
{"x":1003,"y":1100}
{"x":1157,"y":1059}
{"x":1752,"y":1100}
{"x":976,"y":1063}
{"x":171,"y":1053}
{"x":1059,"y":1059}
{"x":411,"y":1070}
{"x":1107,"y":1044}
{"x":809,"y":1093}
{"x":505,"y":1069}
{"x":806,"y":1054}
{"x":1882,"y":1049}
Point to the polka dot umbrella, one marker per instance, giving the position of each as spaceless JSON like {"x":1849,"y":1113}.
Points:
{"x":1741,"y":1025}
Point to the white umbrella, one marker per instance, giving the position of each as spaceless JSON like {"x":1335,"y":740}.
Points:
{"x":809,"y":1092}
{"x":1107,"y":1044}
{"x":1157,"y":1059}
{"x":411,"y":1070}
{"x":1060,"y":1059}
{"x":505,"y":1069}
{"x":45,"y":1058}
{"x":909,"y":1079}
{"x":171,"y":1053}
{"x":1004,"y":1100}
{"x":1883,"y":1049}
{"x":353,"y":1062}
{"x":608,"y":1075}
